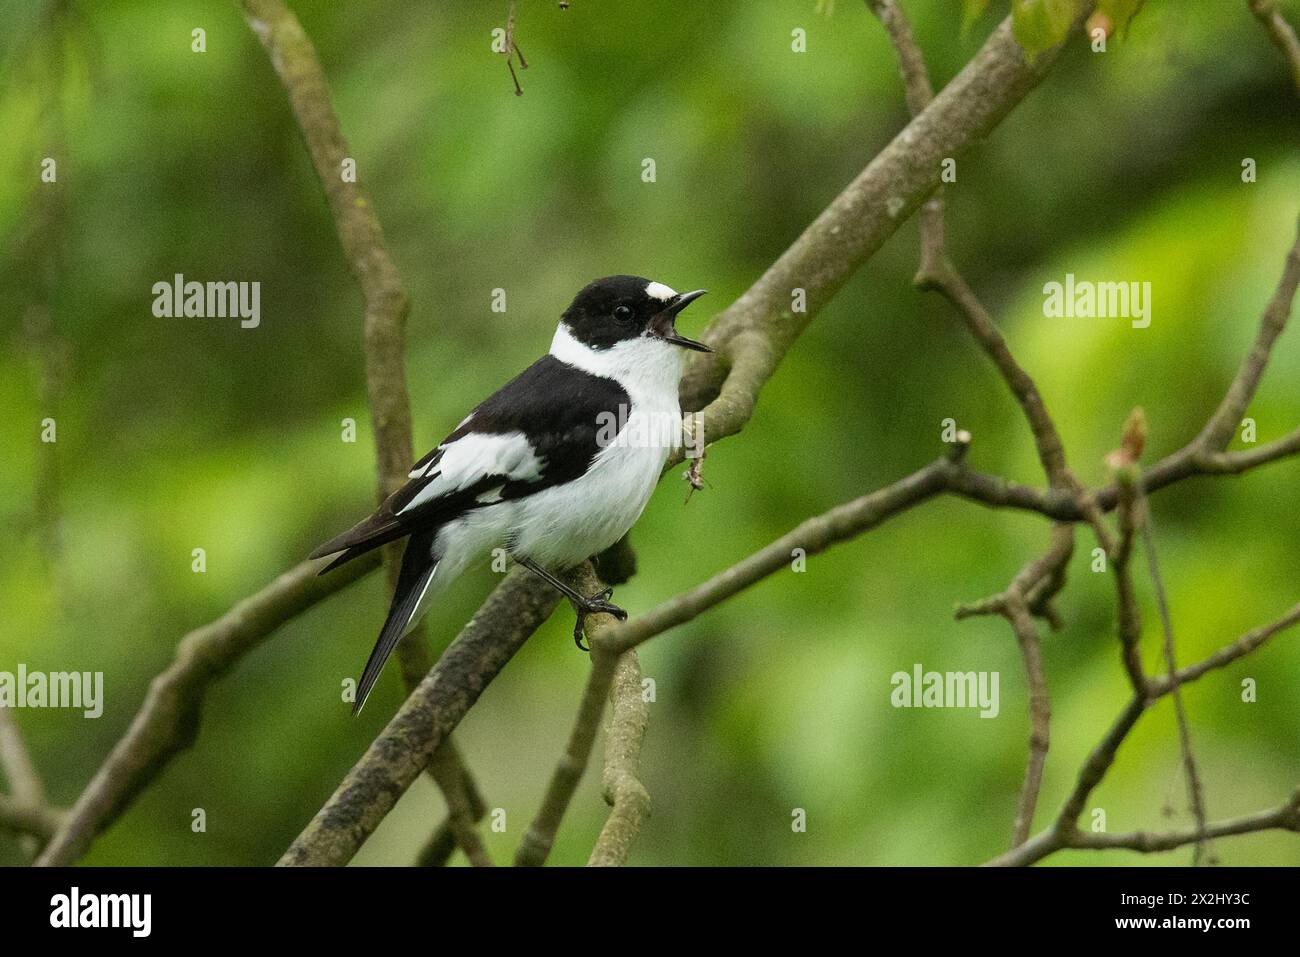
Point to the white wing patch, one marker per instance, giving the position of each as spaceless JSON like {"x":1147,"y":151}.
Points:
{"x":420,"y":470}
{"x":473,"y":457}
{"x":657,"y":290}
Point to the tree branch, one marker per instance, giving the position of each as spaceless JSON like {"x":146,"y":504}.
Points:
{"x":812,"y":536}
{"x":627,"y":797}
{"x":465,"y":805}
{"x":754,"y":333}
{"x":402,"y":750}
{"x":1247,"y":643}
{"x":1224,"y":422}
{"x":1203,"y":455}
{"x":1129,"y":491}
{"x":1280,"y":32}
{"x":40,"y":821}
{"x":1064,"y":832}
{"x":1031,"y":592}
{"x":1128,"y":612}
{"x":24,"y":782}
{"x":1234,"y":463}
{"x":168,"y":719}
{"x":540,"y":836}
{"x":442,"y":842}
{"x":1285,"y":817}
{"x":752,"y":337}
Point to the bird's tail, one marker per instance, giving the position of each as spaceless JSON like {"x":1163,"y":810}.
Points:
{"x":371,"y":532}
{"x":419,"y":565}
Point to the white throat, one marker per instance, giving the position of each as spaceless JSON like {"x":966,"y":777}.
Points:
{"x":648,"y":368}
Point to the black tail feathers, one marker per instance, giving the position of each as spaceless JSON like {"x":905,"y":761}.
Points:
{"x":418,"y":567}
{"x":378,"y":529}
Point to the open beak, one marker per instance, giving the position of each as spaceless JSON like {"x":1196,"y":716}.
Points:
{"x":663,"y":325}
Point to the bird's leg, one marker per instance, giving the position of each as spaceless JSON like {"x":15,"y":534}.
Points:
{"x":582,"y":604}
{"x":596,"y":604}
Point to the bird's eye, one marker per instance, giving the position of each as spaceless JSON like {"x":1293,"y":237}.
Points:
{"x":623,"y":313}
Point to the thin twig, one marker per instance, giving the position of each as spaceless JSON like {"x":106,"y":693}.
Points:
{"x":938,"y":273}
{"x":1243,"y":646}
{"x":25,"y":785}
{"x":1040,"y":715}
{"x":1285,"y":817}
{"x":39,"y":821}
{"x":1280,"y":32}
{"x":1030,"y":593}
{"x":1064,"y":832}
{"x":449,"y":771}
{"x":841,"y":523}
{"x":1195,"y":792}
{"x":1134,"y":520}
{"x":442,"y":842}
{"x":1128,"y":610}
{"x":627,"y":797}
{"x":1218,"y":431}
{"x":540,"y":835}
{"x":512,"y":49}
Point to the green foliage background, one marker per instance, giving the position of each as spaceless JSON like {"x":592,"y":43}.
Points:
{"x":176,"y":434}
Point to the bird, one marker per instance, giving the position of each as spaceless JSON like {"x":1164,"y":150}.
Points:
{"x":554,"y":467}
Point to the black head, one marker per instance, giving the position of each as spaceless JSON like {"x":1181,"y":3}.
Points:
{"x":620,"y":308}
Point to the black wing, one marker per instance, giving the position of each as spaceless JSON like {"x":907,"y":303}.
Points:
{"x":540,"y":429}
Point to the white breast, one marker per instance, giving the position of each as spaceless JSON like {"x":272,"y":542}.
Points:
{"x":561,"y":526}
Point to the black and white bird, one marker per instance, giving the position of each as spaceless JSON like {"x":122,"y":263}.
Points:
{"x":555,"y":466}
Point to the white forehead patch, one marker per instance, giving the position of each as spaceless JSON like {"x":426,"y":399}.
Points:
{"x":657,"y":290}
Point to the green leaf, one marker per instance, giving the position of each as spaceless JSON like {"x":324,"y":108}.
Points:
{"x":1041,"y":24}
{"x":1119,"y":13}
{"x":971,"y":10}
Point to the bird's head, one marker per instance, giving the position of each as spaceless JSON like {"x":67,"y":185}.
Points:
{"x":623,"y":308}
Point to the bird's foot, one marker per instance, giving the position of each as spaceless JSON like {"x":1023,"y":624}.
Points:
{"x":598,"y":604}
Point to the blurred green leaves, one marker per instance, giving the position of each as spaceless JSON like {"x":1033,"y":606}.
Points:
{"x":1120,"y":13}
{"x":1041,"y":24}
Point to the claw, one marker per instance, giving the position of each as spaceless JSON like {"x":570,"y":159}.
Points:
{"x":578,"y":635}
{"x":598,"y":604}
